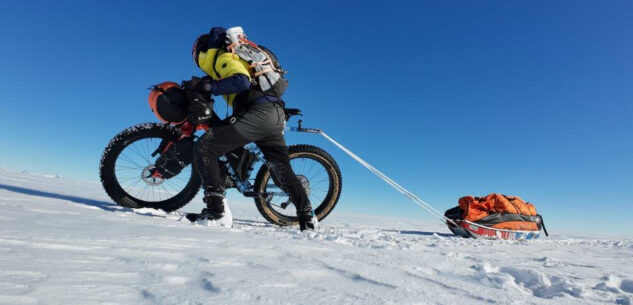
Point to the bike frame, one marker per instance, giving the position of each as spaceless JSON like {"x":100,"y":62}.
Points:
{"x":243,"y":186}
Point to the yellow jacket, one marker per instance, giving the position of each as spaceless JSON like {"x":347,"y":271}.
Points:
{"x":226,"y":64}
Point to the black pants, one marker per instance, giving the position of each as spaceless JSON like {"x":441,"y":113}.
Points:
{"x":263,"y":124}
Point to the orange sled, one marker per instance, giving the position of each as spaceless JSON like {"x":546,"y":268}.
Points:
{"x":495,"y":216}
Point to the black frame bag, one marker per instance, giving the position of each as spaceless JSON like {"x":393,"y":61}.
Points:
{"x":177,"y":156}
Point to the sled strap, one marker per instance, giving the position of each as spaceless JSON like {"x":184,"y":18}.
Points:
{"x":257,"y":74}
{"x":395,"y":185}
{"x":255,"y":64}
{"x":543,"y":225}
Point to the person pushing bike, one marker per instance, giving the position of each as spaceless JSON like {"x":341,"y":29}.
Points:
{"x":253,"y":89}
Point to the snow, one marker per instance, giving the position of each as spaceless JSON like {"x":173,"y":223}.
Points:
{"x":65,"y":242}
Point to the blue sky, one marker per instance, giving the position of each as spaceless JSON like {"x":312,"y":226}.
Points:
{"x":449,"y":98}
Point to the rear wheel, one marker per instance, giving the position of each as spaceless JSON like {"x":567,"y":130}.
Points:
{"x":126,"y":166}
{"x":320,"y":176}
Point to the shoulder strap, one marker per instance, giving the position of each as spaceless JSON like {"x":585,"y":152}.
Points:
{"x":273,"y":59}
{"x":215,"y":60}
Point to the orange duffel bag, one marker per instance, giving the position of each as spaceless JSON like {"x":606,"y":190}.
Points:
{"x":496,"y":213}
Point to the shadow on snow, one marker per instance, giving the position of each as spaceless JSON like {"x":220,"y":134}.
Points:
{"x":111,"y":207}
{"x":425,"y":233}
{"x":106,"y":206}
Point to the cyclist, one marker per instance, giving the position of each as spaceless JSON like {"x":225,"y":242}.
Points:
{"x":258,"y":116}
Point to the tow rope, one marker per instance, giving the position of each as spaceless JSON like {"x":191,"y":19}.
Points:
{"x":427,"y":207}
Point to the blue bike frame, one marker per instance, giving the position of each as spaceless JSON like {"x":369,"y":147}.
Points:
{"x":244,"y":186}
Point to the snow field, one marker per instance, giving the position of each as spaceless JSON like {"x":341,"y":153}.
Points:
{"x":65,"y":242}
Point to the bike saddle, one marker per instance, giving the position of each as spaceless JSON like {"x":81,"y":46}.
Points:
{"x":292,"y":111}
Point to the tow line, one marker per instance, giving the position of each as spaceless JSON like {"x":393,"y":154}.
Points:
{"x":437,"y":214}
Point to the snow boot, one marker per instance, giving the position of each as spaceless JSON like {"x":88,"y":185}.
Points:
{"x":310,"y":224}
{"x":216,"y":213}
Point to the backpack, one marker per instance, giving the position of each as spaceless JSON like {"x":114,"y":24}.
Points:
{"x":267,"y":72}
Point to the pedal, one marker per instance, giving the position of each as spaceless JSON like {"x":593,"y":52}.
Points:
{"x":285,"y":204}
{"x":251,"y":194}
{"x":256,"y":194}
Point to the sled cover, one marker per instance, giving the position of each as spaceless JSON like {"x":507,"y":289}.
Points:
{"x":500,"y":212}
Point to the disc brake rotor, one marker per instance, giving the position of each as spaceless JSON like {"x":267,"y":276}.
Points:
{"x":148,"y":177}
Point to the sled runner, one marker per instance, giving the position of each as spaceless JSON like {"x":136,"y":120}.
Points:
{"x":470,"y":229}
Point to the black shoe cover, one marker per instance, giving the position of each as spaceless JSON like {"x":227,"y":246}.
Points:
{"x":205,"y":213}
{"x":193,"y":217}
{"x":306,"y":225}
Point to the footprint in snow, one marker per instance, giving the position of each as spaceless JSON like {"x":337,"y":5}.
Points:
{"x":617,"y":286}
{"x":531,"y":281}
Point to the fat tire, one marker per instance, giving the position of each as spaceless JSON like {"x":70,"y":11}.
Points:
{"x":324,"y":208}
{"x":111,"y":153}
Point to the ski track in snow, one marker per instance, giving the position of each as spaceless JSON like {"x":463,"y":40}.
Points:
{"x":65,"y":242}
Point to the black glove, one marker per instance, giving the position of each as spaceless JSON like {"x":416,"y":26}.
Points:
{"x":199,"y":85}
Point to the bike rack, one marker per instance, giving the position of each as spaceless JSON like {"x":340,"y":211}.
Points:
{"x":427,"y":207}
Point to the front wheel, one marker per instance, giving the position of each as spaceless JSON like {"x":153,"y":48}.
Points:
{"x":320,"y":176}
{"x":127,"y":165}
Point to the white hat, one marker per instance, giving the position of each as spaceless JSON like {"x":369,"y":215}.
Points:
{"x":233,"y":34}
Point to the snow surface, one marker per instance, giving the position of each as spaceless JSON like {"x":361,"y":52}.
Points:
{"x":65,"y":242}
